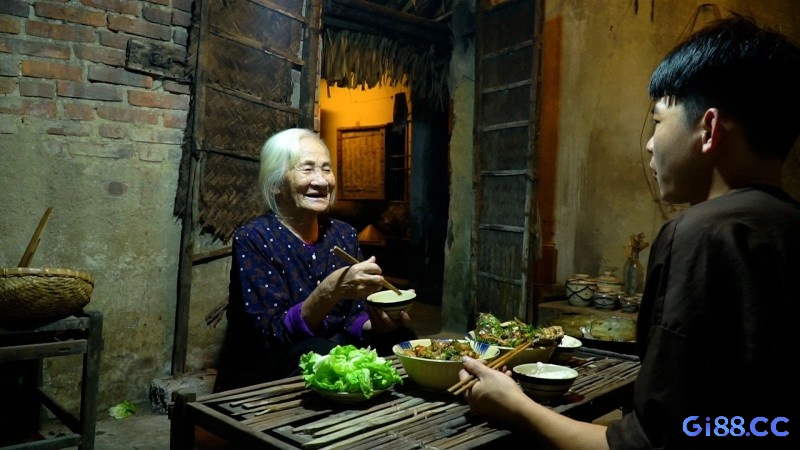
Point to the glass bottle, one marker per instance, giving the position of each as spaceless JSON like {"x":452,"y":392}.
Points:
{"x":633,"y":275}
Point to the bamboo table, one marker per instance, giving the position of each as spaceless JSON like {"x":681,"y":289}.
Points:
{"x":284,"y":414}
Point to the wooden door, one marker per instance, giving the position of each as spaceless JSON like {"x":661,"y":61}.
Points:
{"x":505,"y":237}
{"x":255,"y":72}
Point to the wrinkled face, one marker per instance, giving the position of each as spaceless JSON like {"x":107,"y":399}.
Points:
{"x":679,"y":166}
{"x":307,"y":187}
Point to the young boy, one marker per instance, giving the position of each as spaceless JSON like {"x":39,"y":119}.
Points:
{"x":716,"y":323}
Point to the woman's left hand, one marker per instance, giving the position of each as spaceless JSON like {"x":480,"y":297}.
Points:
{"x":380,"y":322}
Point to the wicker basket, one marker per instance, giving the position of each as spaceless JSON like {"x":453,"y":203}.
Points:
{"x":28,"y":294}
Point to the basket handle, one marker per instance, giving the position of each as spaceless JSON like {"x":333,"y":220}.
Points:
{"x":34,"y":243}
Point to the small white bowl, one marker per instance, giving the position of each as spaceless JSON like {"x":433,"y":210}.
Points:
{"x":392,"y":302}
{"x":437,"y":375}
{"x":542,"y":381}
{"x":565,"y":350}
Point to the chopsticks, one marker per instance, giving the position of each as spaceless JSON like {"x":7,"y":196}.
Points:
{"x":347,"y":257}
{"x":498,"y":364}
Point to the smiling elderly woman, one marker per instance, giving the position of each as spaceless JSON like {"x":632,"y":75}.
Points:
{"x":289,"y":293}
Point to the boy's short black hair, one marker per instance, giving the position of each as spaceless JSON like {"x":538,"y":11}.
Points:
{"x":747,"y":72}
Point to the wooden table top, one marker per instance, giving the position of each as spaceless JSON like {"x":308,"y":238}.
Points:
{"x":284,"y":414}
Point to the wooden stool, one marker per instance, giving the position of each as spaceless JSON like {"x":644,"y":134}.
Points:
{"x":21,"y":353}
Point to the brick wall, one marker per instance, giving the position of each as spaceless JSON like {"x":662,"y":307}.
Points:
{"x":63,"y":74}
{"x":92,"y":132}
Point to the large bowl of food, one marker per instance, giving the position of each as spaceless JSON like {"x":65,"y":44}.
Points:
{"x":348,"y":374}
{"x":434,"y":364}
{"x":510,"y":334}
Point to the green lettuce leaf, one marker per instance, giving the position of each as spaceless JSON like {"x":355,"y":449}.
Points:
{"x":348,"y":369}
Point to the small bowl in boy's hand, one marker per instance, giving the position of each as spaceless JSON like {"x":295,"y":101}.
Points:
{"x":391,"y":302}
{"x":544,"y":382}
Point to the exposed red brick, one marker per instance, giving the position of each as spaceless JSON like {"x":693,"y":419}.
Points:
{"x":157,"y":15}
{"x":27,"y":107}
{"x":9,"y":68}
{"x":7,"y":85}
{"x":113,"y":131}
{"x":139,"y":27}
{"x":183,"y":5}
{"x":95,"y":53}
{"x":52,"y":70}
{"x":77,"y":111}
{"x":156,"y":135}
{"x":119,"y":76}
{"x":176,"y":88}
{"x":15,"y":8}
{"x":10,"y":25}
{"x":102,"y":150}
{"x":76,"y":33}
{"x":127,"y":115}
{"x":36,"y":88}
{"x":115,"y":40}
{"x":156,"y":100}
{"x":70,"y":14}
{"x":130,"y":7}
{"x":175,"y":120}
{"x":181,"y":18}
{"x":89,"y":91}
{"x":70,"y":129}
{"x":34,"y":48}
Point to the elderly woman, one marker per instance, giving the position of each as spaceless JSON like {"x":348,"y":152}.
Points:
{"x":289,"y":293}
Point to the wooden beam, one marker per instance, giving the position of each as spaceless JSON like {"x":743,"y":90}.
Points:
{"x":383,"y":21}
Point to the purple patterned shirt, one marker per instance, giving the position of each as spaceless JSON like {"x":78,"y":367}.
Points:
{"x":276,"y":272}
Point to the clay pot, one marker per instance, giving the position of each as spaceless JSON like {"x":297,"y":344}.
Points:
{"x":580,"y":290}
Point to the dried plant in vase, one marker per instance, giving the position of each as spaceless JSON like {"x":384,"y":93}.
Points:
{"x":633,"y":271}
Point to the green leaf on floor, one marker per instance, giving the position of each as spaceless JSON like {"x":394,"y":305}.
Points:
{"x":122,"y":410}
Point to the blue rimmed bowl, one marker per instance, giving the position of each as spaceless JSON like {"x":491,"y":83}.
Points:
{"x":437,"y":374}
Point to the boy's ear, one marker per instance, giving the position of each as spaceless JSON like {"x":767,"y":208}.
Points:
{"x":711,"y":130}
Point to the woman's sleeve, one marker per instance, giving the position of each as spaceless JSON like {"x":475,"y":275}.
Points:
{"x":267,"y":305}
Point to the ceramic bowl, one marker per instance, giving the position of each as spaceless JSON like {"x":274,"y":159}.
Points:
{"x":608,"y":282}
{"x":630,"y":303}
{"x":580,"y":290}
{"x":606,"y":300}
{"x":565,"y":350}
{"x":391,"y":302}
{"x":437,"y":375}
{"x":538,"y":353}
{"x":542,"y":381}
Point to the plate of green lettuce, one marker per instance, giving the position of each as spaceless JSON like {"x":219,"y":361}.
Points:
{"x":348,"y":374}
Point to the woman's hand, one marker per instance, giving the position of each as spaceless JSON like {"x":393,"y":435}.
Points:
{"x":380,"y":322}
{"x":358,"y":280}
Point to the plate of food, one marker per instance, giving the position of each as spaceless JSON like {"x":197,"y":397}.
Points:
{"x":348,"y":374}
{"x":510,"y":334}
